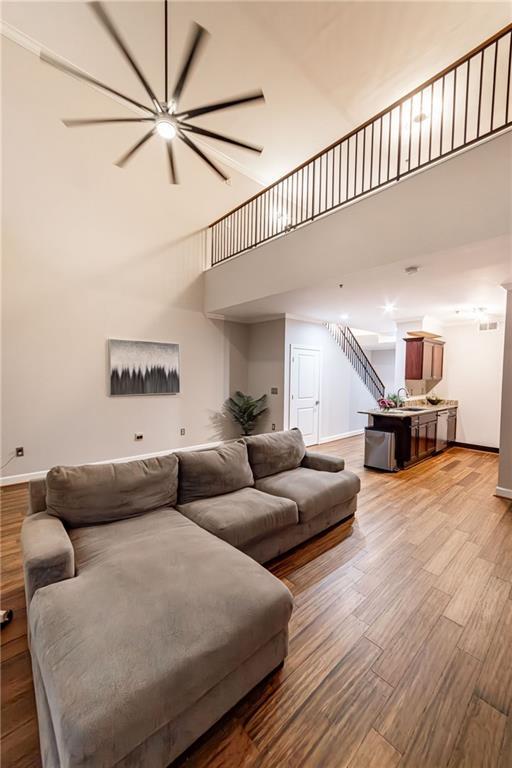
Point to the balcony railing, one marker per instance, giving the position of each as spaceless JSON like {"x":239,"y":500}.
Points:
{"x":467,"y":102}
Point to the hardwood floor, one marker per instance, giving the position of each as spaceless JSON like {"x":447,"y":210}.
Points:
{"x":400,"y":642}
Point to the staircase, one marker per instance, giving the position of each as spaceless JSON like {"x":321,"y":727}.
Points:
{"x":357,"y":357}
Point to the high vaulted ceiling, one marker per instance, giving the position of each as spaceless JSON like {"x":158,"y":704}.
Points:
{"x":324,"y":68}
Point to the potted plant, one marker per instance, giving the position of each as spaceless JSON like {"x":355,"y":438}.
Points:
{"x":396,"y":400}
{"x":245,"y":410}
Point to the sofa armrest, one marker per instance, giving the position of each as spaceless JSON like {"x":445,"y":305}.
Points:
{"x":323,"y":462}
{"x":48,"y":554}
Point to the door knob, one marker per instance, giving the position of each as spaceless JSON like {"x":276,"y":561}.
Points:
{"x":317,"y":402}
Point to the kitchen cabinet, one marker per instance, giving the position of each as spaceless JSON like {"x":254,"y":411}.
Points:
{"x":415,"y":433}
{"x":437,"y":361}
{"x":414,"y":444}
{"x":423,"y":359}
{"x":423,"y":436}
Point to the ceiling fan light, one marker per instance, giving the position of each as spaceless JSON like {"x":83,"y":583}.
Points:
{"x":166,"y":129}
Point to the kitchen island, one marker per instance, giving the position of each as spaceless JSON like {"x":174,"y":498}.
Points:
{"x":399,"y":437}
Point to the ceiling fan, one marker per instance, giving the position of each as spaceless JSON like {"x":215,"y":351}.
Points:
{"x":164,"y":117}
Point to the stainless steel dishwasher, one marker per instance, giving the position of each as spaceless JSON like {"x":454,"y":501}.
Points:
{"x":379,"y":449}
{"x":442,"y":430}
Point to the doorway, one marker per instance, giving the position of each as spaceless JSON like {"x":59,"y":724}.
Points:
{"x":305,"y":391}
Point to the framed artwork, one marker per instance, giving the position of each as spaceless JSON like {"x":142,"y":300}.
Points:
{"x":144,"y":367}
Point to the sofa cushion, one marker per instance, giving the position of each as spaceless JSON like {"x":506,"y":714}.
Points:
{"x":213,"y":472}
{"x":275,"y":452}
{"x":145,"y":629}
{"x":325,"y":462}
{"x":242,"y":517}
{"x":102,"y":493}
{"x":313,"y":491}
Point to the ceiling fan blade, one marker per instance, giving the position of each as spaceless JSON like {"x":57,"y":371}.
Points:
{"x":166,"y":50}
{"x":220,"y":137}
{"x":202,"y":155}
{"x":68,"y":69}
{"x":256,"y":96}
{"x":107,"y":23}
{"x":197,"y":40}
{"x":172,"y":163}
{"x":101,"y":121}
{"x":124,"y":159}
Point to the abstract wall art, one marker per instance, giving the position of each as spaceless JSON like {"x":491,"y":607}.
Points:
{"x":144,"y":367}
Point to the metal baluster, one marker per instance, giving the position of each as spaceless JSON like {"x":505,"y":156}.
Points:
{"x":494,"y":83}
{"x":508,"y":77}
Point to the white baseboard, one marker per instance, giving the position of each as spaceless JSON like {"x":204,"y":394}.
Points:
{"x":332,"y":438}
{"x":505,"y":493}
{"x":25,"y":478}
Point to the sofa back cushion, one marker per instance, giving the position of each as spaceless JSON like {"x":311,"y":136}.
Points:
{"x":275,"y":452}
{"x":103,"y":493}
{"x":212,"y":472}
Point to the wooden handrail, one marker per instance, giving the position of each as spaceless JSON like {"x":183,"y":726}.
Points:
{"x":481,"y":47}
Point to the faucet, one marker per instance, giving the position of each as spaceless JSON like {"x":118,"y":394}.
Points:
{"x":398,"y":395}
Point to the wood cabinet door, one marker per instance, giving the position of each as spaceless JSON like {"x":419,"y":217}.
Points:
{"x":437,"y":361}
{"x":422,"y":441}
{"x":414,"y":444}
{"x":428,"y":352}
{"x":431,"y":436}
{"x":414,"y":359}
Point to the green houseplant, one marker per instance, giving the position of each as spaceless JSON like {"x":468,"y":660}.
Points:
{"x":245,"y":410}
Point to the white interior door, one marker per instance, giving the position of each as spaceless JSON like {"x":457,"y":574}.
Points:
{"x":305,"y":392}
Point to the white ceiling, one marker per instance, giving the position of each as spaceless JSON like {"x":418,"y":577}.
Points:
{"x":324,"y":67}
{"x":447,"y":287}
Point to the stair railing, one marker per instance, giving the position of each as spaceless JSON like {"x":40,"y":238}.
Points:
{"x":465,"y":103}
{"x":357,"y":358}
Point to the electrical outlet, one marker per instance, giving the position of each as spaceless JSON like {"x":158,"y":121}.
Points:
{"x":273,"y":427}
{"x":274,"y":391}
{"x":20,"y":451}
{"x":138,"y":436}
{"x":182,"y":431}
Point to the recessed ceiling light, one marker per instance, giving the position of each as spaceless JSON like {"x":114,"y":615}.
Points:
{"x":344,"y":316}
{"x":389,"y":307}
{"x":411,"y":270}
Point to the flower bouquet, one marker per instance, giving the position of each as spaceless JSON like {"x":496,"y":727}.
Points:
{"x":385,"y":403}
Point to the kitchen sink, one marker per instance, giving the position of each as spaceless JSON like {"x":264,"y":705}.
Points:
{"x":405,"y":408}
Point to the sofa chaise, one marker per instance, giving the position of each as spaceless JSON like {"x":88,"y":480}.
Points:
{"x":147,"y":619}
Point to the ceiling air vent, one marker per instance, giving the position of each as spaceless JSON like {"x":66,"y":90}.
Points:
{"x":492,"y":325}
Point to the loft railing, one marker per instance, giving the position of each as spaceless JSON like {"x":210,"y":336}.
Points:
{"x":467,"y":102}
{"x":358,"y":358}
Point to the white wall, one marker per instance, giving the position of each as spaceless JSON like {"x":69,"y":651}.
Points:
{"x":342,"y":391}
{"x":383,"y":360}
{"x":90,"y":251}
{"x":473,"y":366}
{"x":505,"y":474}
{"x":266,"y":369}
{"x":57,"y":318}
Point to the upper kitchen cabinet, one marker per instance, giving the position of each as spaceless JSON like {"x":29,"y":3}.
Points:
{"x":424,"y":361}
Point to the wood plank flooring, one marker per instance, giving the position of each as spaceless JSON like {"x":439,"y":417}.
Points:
{"x":400,"y":642}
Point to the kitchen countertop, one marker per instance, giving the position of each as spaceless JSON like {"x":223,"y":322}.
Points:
{"x":404,"y":413}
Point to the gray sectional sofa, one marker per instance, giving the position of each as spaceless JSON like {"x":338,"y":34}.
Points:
{"x":147,"y":619}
